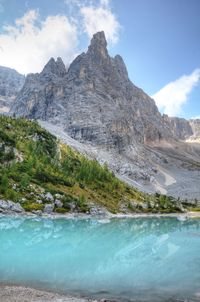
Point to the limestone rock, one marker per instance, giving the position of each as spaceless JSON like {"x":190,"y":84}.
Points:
{"x":94,"y":100}
{"x":180,"y":127}
{"x":4,"y":205}
{"x":10,"y":83}
{"x":16,"y":207}
{"x":183,"y":129}
{"x":48,"y":208}
{"x":48,"y":196}
{"x":58,"y":203}
{"x":39,"y":201}
{"x":10,"y":206}
{"x":195,"y":125}
{"x":54,"y":67}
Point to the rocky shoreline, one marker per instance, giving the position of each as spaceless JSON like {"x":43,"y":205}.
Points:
{"x":15,"y":293}
{"x":11,"y":208}
{"x":19,"y":293}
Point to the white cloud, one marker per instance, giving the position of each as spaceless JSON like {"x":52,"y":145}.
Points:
{"x":98,"y":18}
{"x":94,"y":16}
{"x":30,"y":43}
{"x":174,"y":95}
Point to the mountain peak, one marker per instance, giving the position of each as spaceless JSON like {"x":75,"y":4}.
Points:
{"x":98,"y":45}
{"x":56,"y":67}
{"x":99,"y":39}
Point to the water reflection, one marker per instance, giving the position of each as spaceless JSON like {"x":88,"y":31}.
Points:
{"x":122,"y":257}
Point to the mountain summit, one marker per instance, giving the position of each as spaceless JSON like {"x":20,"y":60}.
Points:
{"x":56,"y":67}
{"x":94,"y":100}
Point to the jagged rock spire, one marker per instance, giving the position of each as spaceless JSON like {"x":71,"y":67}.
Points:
{"x":98,"y":46}
{"x":98,"y":39}
{"x":56,"y":67}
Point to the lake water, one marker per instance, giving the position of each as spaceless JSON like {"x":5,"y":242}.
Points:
{"x":143,"y":259}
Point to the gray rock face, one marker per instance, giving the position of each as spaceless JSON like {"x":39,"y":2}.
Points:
{"x":48,"y":208}
{"x":180,"y":127}
{"x":58,"y":203}
{"x":94,"y":100}
{"x":49,"y":197}
{"x":195,"y":125}
{"x":10,"y":84}
{"x":183,"y":129}
{"x":10,"y":206}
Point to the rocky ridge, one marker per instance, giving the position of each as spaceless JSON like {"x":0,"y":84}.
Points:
{"x":10,"y":84}
{"x":94,"y":100}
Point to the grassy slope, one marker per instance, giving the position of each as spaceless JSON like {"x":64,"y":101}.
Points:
{"x":33,"y":162}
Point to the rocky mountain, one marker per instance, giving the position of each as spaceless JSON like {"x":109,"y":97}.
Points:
{"x":180,"y":127}
{"x":95,"y":103}
{"x":94,"y":100}
{"x":183,"y":129}
{"x":195,"y":125}
{"x":10,"y":84}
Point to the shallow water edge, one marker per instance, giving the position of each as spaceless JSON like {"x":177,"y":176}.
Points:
{"x":161,"y":245}
{"x":108,"y":215}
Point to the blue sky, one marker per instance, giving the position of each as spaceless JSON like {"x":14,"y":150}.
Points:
{"x":158,"y":40}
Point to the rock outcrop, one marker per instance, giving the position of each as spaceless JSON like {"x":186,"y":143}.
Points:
{"x":10,"y":84}
{"x":195,"y":125}
{"x":8,"y":206}
{"x":180,"y":127}
{"x":183,"y":129}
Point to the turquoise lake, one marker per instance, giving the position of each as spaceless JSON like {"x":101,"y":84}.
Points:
{"x":143,"y":259}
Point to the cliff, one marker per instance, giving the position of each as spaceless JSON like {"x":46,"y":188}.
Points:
{"x":10,"y":84}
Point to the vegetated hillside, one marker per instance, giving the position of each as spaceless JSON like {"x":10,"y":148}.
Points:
{"x":42,"y":174}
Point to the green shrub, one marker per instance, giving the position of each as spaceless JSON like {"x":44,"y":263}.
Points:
{"x":61,"y":210}
{"x":33,"y":207}
{"x":4,"y":183}
{"x":12,"y":195}
{"x":25,"y":181}
{"x":82,"y":204}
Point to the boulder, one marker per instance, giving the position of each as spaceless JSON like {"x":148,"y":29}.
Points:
{"x":58,"y":203}
{"x":48,"y":208}
{"x":39,"y":201}
{"x":49,"y":197}
{"x":8,"y":205}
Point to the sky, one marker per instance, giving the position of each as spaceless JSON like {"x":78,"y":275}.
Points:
{"x":159,"y":41}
